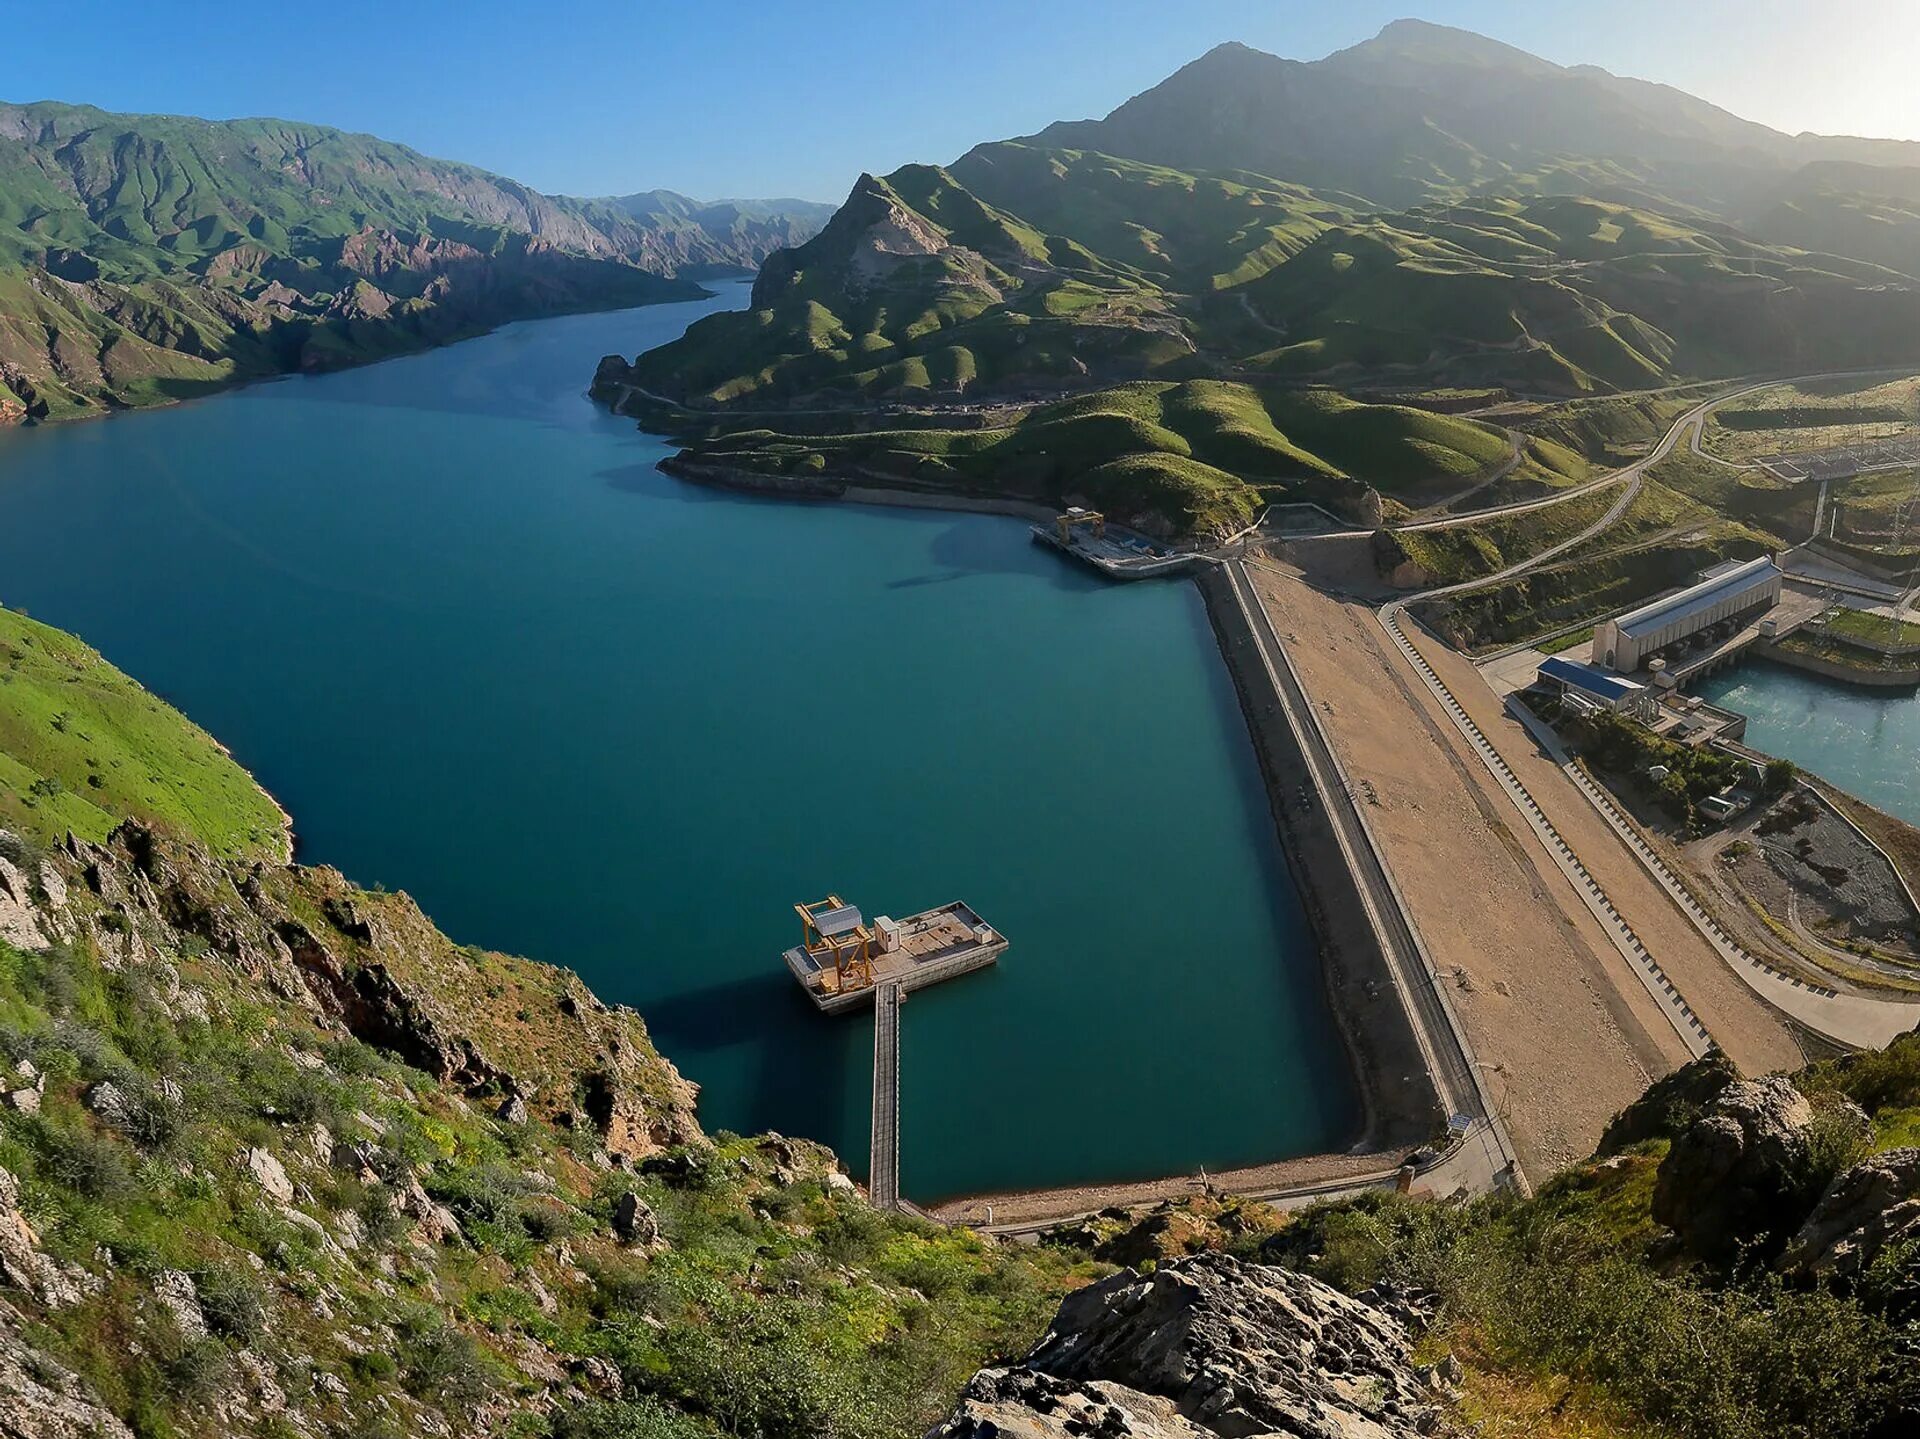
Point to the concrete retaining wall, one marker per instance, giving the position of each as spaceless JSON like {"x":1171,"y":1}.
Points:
{"x":1398,"y":1095}
{"x":1904,"y":678}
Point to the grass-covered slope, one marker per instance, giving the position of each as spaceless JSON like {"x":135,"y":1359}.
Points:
{"x":147,"y":257}
{"x":1198,"y":456}
{"x":83,"y":747}
{"x":916,"y":287}
{"x":1020,"y":271}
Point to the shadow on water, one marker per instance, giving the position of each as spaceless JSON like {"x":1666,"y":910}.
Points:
{"x":998,"y":544}
{"x":805,"y":1060}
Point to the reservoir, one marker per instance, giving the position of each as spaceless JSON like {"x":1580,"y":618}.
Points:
{"x":1865,"y":741}
{"x":449,"y":612}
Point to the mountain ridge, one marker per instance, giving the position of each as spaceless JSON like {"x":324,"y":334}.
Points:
{"x":1372,"y":219}
{"x":144,"y":258}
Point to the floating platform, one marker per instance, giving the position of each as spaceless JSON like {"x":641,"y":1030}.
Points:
{"x":923,"y":949}
{"x":1114,"y":556}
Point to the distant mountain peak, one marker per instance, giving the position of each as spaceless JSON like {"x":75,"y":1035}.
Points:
{"x":1424,"y":42}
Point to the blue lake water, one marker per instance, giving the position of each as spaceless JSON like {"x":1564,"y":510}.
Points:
{"x":1865,"y":741}
{"x":452,"y":616}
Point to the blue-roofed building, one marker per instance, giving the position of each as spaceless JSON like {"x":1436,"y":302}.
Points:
{"x":1730,"y":596}
{"x":1603,"y":689}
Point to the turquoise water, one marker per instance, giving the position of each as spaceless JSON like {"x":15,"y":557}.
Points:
{"x":1865,"y":741}
{"x":451,"y":615}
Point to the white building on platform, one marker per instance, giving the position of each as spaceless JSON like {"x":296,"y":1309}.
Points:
{"x":1736,"y":593}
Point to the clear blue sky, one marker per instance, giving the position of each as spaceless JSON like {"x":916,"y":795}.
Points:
{"x":787,"y":97}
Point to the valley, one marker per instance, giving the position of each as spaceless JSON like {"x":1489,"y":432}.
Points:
{"x":1375,"y":600}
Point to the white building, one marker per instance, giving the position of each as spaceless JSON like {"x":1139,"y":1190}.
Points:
{"x":1738,"y":592}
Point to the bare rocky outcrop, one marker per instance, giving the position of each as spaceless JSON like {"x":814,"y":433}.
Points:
{"x":28,"y":1268}
{"x":41,"y":1399}
{"x":19,"y":916}
{"x":1871,"y":1207}
{"x":530,"y":1038}
{"x":1208,"y":1345}
{"x":1670,"y":1104}
{"x":1743,"y":1173}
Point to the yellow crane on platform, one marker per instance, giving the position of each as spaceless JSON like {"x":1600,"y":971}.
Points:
{"x":832,"y":929}
{"x":1092,"y":519}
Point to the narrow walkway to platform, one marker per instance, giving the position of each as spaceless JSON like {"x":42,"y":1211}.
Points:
{"x":883,"y":1169}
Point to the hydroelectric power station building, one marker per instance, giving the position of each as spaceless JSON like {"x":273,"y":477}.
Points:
{"x":1737,"y":595}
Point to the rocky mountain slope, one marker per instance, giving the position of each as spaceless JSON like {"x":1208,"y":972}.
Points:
{"x":144,"y":258}
{"x":1426,"y":113}
{"x":1428,"y":212}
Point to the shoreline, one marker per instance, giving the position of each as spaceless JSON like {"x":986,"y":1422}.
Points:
{"x":1840,"y":672}
{"x":216,"y":388}
{"x":840,"y":489}
{"x":1041,"y":1208}
{"x":1354,"y":975}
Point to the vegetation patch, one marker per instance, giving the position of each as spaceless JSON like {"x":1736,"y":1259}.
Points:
{"x":82,"y":746}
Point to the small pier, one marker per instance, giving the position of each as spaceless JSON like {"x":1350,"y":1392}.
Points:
{"x":1118,"y":555}
{"x":842,"y":962}
{"x":883,"y":1167}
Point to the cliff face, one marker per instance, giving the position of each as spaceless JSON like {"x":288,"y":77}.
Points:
{"x":276,"y":1156}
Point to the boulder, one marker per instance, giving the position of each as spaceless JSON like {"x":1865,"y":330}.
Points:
{"x":1205,"y":1345}
{"x":268,"y":1173}
{"x":436,"y":1221}
{"x":1020,"y":1404}
{"x":634,"y":1221}
{"x":1670,"y":1103}
{"x":178,"y":1295}
{"x":599,"y":1377}
{"x":1870,"y":1207}
{"x":1743,"y":1172}
{"x":110,"y":1102}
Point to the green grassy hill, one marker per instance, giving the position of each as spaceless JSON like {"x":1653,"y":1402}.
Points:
{"x":83,"y":747}
{"x":1197,"y":456}
{"x":1069,"y":269}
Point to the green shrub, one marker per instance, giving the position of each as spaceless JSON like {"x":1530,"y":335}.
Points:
{"x":231,"y":1302}
{"x":641,"y":1419}
{"x":449,"y":1365}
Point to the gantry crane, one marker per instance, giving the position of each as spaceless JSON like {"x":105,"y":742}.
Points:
{"x":831,"y":929}
{"x":1093,"y":519}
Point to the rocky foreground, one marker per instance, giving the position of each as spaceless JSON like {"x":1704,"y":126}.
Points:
{"x":1213,"y":1346}
{"x":279,"y":1158}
